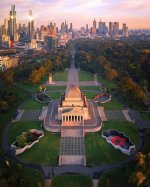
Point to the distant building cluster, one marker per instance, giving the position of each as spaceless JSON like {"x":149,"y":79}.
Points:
{"x":101,"y":30}
{"x":25,"y":37}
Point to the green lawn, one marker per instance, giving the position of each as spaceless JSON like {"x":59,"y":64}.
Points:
{"x":109,"y":84}
{"x":55,"y":95}
{"x":30,"y":87}
{"x":18,"y":127}
{"x":31,"y":104}
{"x":85,"y":76}
{"x":99,"y":152}
{"x":60,"y":76}
{"x":145,"y":116}
{"x":71,"y":181}
{"x":46,"y":151}
{"x":112,"y":105}
{"x":97,"y":88}
{"x":56,"y":88}
{"x":90,"y":95}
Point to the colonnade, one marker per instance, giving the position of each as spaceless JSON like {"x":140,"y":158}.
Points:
{"x":72,"y":118}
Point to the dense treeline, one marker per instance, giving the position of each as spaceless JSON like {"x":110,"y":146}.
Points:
{"x":121,"y":60}
{"x":52,"y":62}
{"x":31,"y":73}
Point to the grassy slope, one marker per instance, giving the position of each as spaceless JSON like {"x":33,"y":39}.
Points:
{"x":60,"y":76}
{"x":71,"y":181}
{"x":98,"y":151}
{"x":85,"y":76}
{"x":31,"y":104}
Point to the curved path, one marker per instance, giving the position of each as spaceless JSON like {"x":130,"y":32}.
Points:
{"x":49,"y":171}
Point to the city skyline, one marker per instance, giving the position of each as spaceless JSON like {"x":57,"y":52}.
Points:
{"x":80,"y":12}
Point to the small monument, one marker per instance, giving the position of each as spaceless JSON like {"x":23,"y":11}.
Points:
{"x":50,"y":81}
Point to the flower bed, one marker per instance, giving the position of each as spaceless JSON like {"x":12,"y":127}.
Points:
{"x":119,"y":141}
{"x":102,"y":97}
{"x":26,"y":140}
{"x":42,"y":98}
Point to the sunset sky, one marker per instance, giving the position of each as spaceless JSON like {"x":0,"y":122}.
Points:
{"x":136,"y":13}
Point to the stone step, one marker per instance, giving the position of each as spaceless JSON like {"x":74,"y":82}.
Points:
{"x":72,"y":146}
{"x":72,"y":160}
{"x":72,"y":132}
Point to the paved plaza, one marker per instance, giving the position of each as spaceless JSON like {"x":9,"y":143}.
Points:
{"x":115,"y":115}
{"x":30,"y":115}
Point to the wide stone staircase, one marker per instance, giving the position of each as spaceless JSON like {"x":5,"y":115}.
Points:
{"x":72,"y":149}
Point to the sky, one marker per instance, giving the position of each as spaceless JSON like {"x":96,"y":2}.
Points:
{"x":135,"y":13}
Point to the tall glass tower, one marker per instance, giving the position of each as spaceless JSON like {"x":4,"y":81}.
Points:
{"x":12,"y":21}
{"x":31,"y":25}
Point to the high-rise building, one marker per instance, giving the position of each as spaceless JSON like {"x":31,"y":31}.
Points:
{"x":111,"y":24}
{"x":101,"y":27}
{"x":12,"y":21}
{"x":51,"y":42}
{"x":6,"y":26}
{"x":71,"y":27}
{"x":94,"y":24}
{"x":116,"y":28}
{"x":31,"y":26}
{"x":87,"y":27}
{"x":125,"y":32}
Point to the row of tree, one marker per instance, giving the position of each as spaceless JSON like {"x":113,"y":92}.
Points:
{"x":116,"y":60}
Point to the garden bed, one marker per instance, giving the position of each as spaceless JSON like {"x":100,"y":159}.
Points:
{"x":119,"y":141}
{"x":26,"y":140}
{"x":42,"y":98}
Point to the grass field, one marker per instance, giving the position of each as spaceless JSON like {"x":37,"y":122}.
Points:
{"x":18,"y":127}
{"x":71,"y":181}
{"x":109,"y":84}
{"x":97,"y":88}
{"x":112,"y":105}
{"x":46,"y":151}
{"x":145,"y":116}
{"x":55,"y":95}
{"x":90,"y":95}
{"x":99,"y":152}
{"x":56,"y":88}
{"x":30,"y":87}
{"x":60,"y":76}
{"x":31,"y":104}
{"x":85,"y":76}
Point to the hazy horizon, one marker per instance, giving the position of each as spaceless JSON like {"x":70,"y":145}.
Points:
{"x":135,"y":14}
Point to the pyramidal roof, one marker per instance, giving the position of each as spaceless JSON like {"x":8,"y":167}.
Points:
{"x":73,"y":92}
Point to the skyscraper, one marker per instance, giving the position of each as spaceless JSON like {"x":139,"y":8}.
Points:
{"x":101,"y":27}
{"x":12,"y":22}
{"x":31,"y":25}
{"x":94,"y":24}
{"x":125,"y":32}
{"x":111,"y":28}
{"x":116,"y":28}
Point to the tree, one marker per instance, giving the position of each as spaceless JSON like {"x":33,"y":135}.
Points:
{"x":111,"y":74}
{"x":138,"y":178}
{"x":3,"y":183}
{"x":34,"y":77}
{"x":21,"y":140}
{"x":8,"y":77}
{"x":3,"y":106}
